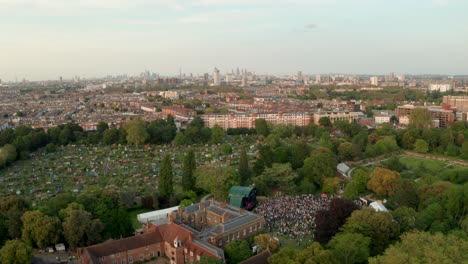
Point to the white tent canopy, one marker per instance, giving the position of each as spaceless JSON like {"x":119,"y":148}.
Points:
{"x":156,"y":215}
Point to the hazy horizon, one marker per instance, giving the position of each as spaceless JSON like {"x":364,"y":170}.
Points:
{"x":46,"y":39}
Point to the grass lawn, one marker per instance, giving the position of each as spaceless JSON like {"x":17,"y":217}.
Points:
{"x":413,"y":163}
{"x":132,"y":214}
{"x":293,"y":243}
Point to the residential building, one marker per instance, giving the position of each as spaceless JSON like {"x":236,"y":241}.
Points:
{"x":440,"y":87}
{"x":374,"y":80}
{"x":334,"y":116}
{"x":459,"y":102}
{"x":232,"y":120}
{"x":442,"y":116}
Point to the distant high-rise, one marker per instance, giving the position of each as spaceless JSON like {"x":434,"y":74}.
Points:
{"x":244,"y":81}
{"x":374,"y":80}
{"x":299,"y":77}
{"x":216,"y":77}
{"x":237,"y":72}
{"x":61,"y":79}
{"x":318,"y":78}
{"x":229,"y":77}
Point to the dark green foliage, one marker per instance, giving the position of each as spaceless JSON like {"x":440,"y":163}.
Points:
{"x":237,"y":251}
{"x":166,"y":188}
{"x":162,"y":131}
{"x":320,"y":164}
{"x":261,"y":127}
{"x":328,"y":222}
{"x":189,"y":166}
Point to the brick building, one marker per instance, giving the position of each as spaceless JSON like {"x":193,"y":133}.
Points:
{"x":459,"y":102}
{"x":442,"y":116}
{"x":170,"y":240}
{"x":218,"y":223}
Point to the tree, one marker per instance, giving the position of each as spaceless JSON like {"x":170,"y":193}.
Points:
{"x":237,"y":251}
{"x":379,"y":226}
{"x":422,"y":247}
{"x":350,"y":248}
{"x":16,"y":252}
{"x":299,"y":152}
{"x":166,"y":188}
{"x":405,"y":195}
{"x":386,"y":145}
{"x":279,"y":176}
{"x":325,"y":121}
{"x":421,"y":146}
{"x":11,"y":209}
{"x":40,"y":229}
{"x":217,"y":134}
{"x":189,"y":166}
{"x":7,"y":154}
{"x":284,"y":256}
{"x":136,"y":131}
{"x":464,"y":150}
{"x":357,"y":185}
{"x":315,"y":254}
{"x":110,"y":136}
{"x":102,"y":127}
{"x":266,"y":242}
{"x":244,"y":170}
{"x":420,"y":118}
{"x":180,"y":139}
{"x":261,"y":127}
{"x":318,"y":166}
{"x":406,"y":217}
{"x":217,"y":181}
{"x":329,"y":221}
{"x":383,"y":181}
{"x":79,"y":229}
{"x":346,"y":151}
{"x":331,"y":185}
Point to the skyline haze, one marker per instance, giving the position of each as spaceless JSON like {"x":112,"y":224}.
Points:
{"x":46,"y":39}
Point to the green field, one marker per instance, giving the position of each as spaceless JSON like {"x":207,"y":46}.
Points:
{"x":413,"y":163}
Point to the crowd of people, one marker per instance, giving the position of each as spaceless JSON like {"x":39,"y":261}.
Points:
{"x":292,"y":216}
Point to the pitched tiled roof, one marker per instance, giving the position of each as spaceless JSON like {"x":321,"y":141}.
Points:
{"x":122,"y":245}
{"x":261,"y":258}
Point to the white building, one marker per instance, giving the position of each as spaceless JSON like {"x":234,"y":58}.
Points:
{"x":440,"y":87}
{"x":216,"y":77}
{"x":374,"y":80}
{"x":318,"y":78}
{"x":229,"y":78}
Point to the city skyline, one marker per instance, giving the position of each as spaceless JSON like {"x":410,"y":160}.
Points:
{"x":46,"y":39}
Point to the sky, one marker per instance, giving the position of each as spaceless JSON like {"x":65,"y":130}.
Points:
{"x":45,"y":39}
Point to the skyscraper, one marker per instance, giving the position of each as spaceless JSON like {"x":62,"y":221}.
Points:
{"x":216,"y":77}
{"x":374,"y":80}
{"x":244,"y":81}
{"x":299,"y":77}
{"x":318,"y":78}
{"x":237,"y":72}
